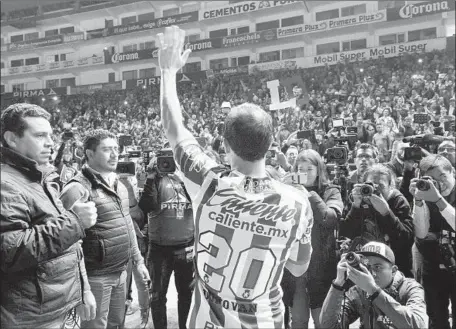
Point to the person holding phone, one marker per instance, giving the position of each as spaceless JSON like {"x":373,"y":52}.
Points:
{"x":308,"y":291}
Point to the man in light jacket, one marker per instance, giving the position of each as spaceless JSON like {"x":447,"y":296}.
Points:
{"x":381,"y":296}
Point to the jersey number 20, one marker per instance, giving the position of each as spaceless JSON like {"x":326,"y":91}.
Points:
{"x":251,"y":273}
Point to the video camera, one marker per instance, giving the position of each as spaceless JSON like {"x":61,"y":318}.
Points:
{"x":126,"y":168}
{"x":68,"y":133}
{"x":413,"y":153}
{"x":337,"y":155}
{"x":426,"y":139}
{"x":165,"y":161}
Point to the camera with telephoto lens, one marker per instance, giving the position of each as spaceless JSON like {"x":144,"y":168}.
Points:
{"x":337,"y":154}
{"x":165,"y":161}
{"x":354,"y":260}
{"x":424,"y":183}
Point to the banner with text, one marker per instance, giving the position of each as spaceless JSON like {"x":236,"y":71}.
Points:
{"x":355,"y":55}
{"x":241,"y":8}
{"x":180,"y":78}
{"x":243,"y":69}
{"x":329,"y":24}
{"x":36,"y":43}
{"x":420,"y":9}
{"x":143,"y":26}
{"x":249,"y":38}
{"x":73,"y":37}
{"x":90,"y":89}
{"x":43,"y":42}
{"x":278,"y":65}
{"x":37,"y":92}
{"x":372,"y":53}
{"x":195,"y":46}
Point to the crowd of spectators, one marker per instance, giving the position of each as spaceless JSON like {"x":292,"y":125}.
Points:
{"x":379,"y":96}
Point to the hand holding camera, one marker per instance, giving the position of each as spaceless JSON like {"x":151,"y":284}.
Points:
{"x":362,"y":192}
{"x":351,"y":271}
{"x":425,"y":189}
{"x":379,"y":204}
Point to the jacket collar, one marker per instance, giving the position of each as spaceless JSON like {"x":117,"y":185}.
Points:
{"x":96,"y":179}
{"x":393,"y":288}
{"x":26,"y":165}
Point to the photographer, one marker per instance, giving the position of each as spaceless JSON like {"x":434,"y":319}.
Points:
{"x":435,"y":243}
{"x":170,"y":230}
{"x":309,"y":290}
{"x":276,"y":163}
{"x":366,"y":155}
{"x":379,"y":212}
{"x":447,"y":149}
{"x":381,"y":296}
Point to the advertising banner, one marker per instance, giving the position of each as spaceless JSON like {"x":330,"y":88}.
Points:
{"x":73,"y":37}
{"x":180,"y":78}
{"x":249,"y":38}
{"x":38,"y":92}
{"x":27,"y":69}
{"x":244,"y":69}
{"x":68,"y":63}
{"x":40,"y":67}
{"x":195,"y":46}
{"x":240,"y":8}
{"x":330,"y":24}
{"x":385,"y":51}
{"x":144,"y":26}
{"x":285,"y":32}
{"x":83,"y":61}
{"x":89,"y":89}
{"x":97,"y":60}
{"x":379,"y":16}
{"x":36,"y":43}
{"x":13,"y":70}
{"x":355,"y":55}
{"x":277,"y":65}
{"x":204,"y":44}
{"x":128,"y":57}
{"x":420,"y":9}
{"x":52,"y":66}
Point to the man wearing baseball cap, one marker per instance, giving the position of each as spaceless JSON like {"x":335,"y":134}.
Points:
{"x":381,"y":296}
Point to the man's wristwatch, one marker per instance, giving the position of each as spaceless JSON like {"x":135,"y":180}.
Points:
{"x":337,"y":287}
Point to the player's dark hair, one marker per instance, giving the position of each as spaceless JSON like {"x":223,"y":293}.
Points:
{"x":248,"y":131}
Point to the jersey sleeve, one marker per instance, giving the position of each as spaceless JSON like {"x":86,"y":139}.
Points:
{"x":301,"y":249}
{"x":195,"y":165}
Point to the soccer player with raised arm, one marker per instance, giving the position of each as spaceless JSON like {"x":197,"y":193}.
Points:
{"x":248,"y":227}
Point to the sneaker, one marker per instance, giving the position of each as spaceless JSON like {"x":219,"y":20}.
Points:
{"x":144,"y":317}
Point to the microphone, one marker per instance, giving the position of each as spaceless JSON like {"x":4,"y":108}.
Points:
{"x":427,"y":139}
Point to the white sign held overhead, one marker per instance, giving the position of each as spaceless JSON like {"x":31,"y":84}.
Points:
{"x":275,"y":105}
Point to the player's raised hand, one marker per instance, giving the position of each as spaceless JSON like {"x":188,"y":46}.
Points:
{"x":171,"y":54}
